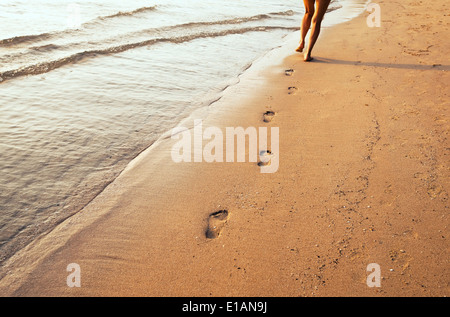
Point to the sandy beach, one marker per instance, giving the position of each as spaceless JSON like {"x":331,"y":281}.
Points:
{"x":363,"y":178}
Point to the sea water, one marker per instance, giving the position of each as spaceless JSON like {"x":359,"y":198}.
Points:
{"x":85,"y":86}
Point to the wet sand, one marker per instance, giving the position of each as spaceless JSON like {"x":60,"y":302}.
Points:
{"x":363,"y":178}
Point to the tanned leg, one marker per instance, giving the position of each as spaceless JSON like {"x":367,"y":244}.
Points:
{"x":321,"y":8}
{"x":306,"y":22}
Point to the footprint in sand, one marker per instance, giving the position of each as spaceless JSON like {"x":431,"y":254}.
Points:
{"x":292,"y":90}
{"x":216,"y":222}
{"x":289,"y":72}
{"x":268,"y":116}
{"x":265,"y":157}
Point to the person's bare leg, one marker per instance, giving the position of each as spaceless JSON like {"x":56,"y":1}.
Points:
{"x":321,"y":8}
{"x":306,"y":22}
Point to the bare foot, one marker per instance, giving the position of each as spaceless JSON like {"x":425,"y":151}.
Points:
{"x":300,"y":48}
{"x":308,"y":58}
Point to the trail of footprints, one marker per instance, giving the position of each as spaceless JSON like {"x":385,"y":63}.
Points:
{"x":218,"y":219}
{"x":291,"y":90}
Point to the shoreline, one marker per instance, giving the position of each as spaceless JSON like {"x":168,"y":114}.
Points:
{"x":315,"y":213}
{"x":91,"y":183}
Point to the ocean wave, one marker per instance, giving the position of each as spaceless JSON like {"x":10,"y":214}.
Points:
{"x":46,"y":36}
{"x":24,"y":38}
{"x":128,"y":13}
{"x":48,"y":66}
{"x":258,"y":17}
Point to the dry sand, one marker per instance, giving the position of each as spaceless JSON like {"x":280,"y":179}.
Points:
{"x":363,"y":178}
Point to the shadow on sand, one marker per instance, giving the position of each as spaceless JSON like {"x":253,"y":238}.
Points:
{"x":382,"y":65}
